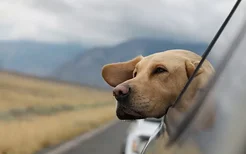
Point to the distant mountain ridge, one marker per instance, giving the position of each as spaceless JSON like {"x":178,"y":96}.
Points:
{"x":86,"y":67}
{"x":36,"y":58}
{"x":73,"y":63}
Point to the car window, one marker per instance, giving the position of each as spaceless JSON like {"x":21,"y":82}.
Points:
{"x":227,"y":97}
{"x":227,"y":133}
{"x":228,"y":35}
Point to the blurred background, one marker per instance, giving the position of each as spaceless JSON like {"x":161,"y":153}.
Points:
{"x":51,"y":55}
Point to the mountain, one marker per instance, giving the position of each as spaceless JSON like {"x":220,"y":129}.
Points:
{"x":35,"y":58}
{"x":86,"y":67}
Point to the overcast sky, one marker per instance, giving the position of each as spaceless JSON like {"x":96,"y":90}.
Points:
{"x":106,"y":22}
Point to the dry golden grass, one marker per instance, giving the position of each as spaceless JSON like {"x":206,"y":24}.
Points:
{"x":32,"y":133}
{"x":19,"y":92}
{"x":26,"y":137}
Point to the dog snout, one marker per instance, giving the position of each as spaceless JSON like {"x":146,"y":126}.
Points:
{"x":121,"y":92}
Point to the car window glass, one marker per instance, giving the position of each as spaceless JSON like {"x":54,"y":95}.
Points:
{"x":228,"y":98}
{"x":228,"y":90}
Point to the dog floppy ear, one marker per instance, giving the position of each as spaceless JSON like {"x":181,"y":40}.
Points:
{"x":190,"y":67}
{"x":117,"y":73}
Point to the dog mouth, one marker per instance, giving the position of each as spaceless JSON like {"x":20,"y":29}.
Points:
{"x":127,"y":113}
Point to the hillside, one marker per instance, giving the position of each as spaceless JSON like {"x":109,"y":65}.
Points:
{"x":36,"y":58}
{"x":86,"y":67}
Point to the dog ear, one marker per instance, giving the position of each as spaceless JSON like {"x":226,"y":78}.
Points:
{"x":117,"y":73}
{"x":190,"y":67}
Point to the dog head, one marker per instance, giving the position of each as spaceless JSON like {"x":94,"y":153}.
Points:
{"x":146,"y":86}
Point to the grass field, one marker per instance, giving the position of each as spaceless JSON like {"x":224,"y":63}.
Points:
{"x":36,"y":113}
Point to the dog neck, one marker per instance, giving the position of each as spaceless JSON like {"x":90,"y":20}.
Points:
{"x":176,"y":114}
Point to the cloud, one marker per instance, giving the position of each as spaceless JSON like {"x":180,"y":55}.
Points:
{"x":97,"y":22}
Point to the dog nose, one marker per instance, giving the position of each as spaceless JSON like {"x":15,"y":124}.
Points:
{"x":121,"y":92}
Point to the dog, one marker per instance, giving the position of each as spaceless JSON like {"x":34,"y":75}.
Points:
{"x":145,"y":87}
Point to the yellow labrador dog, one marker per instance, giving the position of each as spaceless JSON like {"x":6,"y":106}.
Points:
{"x":147,"y":86}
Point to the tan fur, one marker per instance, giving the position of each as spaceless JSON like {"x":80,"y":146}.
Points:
{"x":117,"y":73}
{"x":152,"y":94}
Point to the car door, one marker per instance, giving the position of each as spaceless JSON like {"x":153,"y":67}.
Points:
{"x":226,"y":91}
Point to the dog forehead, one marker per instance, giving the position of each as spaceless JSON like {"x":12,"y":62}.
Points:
{"x":166,"y":57}
{"x":154,"y":60}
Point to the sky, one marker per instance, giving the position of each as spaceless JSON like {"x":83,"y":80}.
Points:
{"x":107,"y":22}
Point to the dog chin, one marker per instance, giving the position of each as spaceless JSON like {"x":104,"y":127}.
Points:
{"x":123,"y":115}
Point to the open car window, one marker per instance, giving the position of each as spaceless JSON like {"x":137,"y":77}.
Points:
{"x":227,"y":97}
{"x":227,"y":132}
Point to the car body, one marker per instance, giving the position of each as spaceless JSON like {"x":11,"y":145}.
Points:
{"x":138,"y":135}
